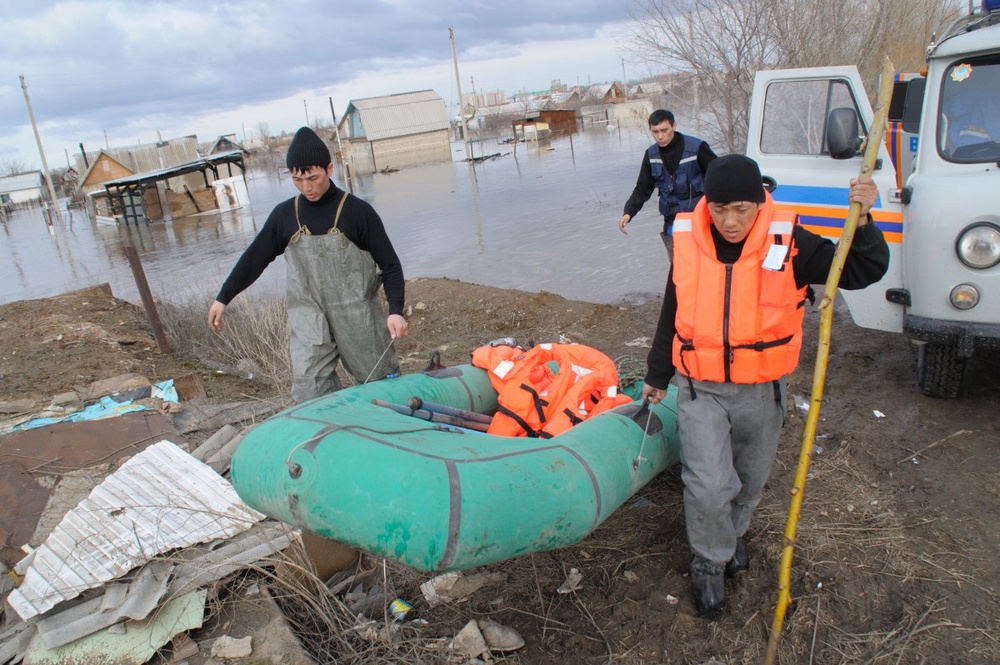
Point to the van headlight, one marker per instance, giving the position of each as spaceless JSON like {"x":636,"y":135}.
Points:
{"x":979,"y":246}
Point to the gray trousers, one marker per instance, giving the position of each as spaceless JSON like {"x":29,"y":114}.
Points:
{"x":729,"y":436}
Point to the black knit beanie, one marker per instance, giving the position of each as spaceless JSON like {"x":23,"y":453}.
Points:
{"x":307,"y":150}
{"x":733,"y":178}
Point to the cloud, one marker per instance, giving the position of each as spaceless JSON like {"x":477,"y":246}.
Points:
{"x":130,"y":68}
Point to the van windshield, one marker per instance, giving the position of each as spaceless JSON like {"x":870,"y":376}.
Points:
{"x":969,"y":117}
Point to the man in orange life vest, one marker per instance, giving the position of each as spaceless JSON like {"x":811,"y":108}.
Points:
{"x":731,"y":328}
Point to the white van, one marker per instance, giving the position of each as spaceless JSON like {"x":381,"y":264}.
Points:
{"x":938,"y":176}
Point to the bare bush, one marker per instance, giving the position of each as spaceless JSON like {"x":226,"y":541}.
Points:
{"x":253,"y":341}
{"x":718,"y":45}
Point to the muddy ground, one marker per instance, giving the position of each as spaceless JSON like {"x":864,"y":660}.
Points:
{"x":896,"y":554}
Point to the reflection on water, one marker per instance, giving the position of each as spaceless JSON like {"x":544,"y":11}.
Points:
{"x":543,"y":220}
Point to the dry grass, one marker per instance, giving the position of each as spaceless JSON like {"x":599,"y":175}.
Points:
{"x":852,"y":568}
{"x":253,"y":342}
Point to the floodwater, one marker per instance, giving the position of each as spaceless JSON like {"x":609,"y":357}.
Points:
{"x":543,"y":219}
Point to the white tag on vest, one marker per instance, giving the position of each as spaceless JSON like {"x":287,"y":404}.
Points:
{"x":775,"y":257}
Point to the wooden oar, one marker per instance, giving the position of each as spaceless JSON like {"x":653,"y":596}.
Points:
{"x":822,"y":354}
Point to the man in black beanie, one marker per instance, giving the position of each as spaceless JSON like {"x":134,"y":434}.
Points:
{"x":731,"y":329}
{"x":338,"y":254}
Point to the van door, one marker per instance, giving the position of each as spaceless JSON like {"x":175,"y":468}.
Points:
{"x":790,"y":117}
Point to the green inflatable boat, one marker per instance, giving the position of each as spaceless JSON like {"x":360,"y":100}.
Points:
{"x":437,"y":497}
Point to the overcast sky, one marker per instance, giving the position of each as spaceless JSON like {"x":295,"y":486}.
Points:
{"x":203,"y":67}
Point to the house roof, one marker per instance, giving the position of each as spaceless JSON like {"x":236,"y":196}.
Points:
{"x":102,"y":154}
{"x":600,"y":90}
{"x":565,"y":97}
{"x":209,"y":163}
{"x":400,"y":115}
{"x":226,"y":143}
{"x":21,"y":181}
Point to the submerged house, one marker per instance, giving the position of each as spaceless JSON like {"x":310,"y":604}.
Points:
{"x":101,"y":169}
{"x":21,"y":190}
{"x":162,"y":180}
{"x":394,"y":131}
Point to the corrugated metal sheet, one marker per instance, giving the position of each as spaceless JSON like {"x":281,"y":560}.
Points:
{"x":159,"y":500}
{"x":186,"y":571}
{"x":404,"y":114}
{"x":135,"y":645}
{"x":21,"y":182}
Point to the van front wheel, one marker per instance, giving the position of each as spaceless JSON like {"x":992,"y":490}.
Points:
{"x":939,"y":370}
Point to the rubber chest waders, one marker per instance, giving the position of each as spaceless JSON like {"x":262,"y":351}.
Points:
{"x":333,"y":311}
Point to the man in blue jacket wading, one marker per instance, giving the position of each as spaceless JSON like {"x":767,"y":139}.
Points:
{"x":675,"y":165}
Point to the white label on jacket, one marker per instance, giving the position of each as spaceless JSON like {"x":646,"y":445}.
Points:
{"x":775,"y":257}
{"x":502,"y":368}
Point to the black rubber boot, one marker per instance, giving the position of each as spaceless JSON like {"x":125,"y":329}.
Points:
{"x":741,"y":560}
{"x":708,"y":585}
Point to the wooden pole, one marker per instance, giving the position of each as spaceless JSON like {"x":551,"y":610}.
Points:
{"x":41,"y":153}
{"x":461,"y":102}
{"x":144,"y":293}
{"x":873,"y":144}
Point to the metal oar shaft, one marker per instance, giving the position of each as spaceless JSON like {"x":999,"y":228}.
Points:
{"x":423,"y":414}
{"x":417,"y":403}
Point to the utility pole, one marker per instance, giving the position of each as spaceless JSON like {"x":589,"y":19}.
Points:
{"x":107,"y":145}
{"x":461,"y":103}
{"x":624,"y":80}
{"x":306,"y":107}
{"x":41,"y":153}
{"x":340,"y":150}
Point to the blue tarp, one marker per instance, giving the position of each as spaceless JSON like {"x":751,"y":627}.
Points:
{"x":107,"y":407}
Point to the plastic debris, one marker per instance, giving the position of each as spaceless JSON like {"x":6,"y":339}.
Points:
{"x":454,"y":586}
{"x":398,"y":608}
{"x":469,"y":642}
{"x":878,"y":414}
{"x":642,"y":502}
{"x":500,"y":637}
{"x":801,"y":404}
{"x":572,"y":582}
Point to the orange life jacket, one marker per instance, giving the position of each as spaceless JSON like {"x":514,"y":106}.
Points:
{"x":536,"y":401}
{"x":738,"y":324}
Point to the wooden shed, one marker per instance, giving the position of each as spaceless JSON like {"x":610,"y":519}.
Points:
{"x":395,"y":131}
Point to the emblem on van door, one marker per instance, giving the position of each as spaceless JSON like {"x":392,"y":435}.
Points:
{"x":961,"y":72}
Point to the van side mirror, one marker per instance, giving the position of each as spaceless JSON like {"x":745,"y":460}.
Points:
{"x":842,"y":133}
{"x":913,"y":104}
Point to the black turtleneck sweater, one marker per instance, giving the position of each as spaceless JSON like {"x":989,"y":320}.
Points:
{"x":358,"y":222}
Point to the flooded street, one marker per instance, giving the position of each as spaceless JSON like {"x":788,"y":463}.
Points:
{"x":543,"y":220}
